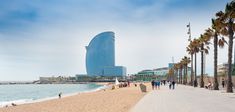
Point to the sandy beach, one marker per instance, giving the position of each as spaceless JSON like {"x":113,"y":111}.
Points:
{"x":117,"y":100}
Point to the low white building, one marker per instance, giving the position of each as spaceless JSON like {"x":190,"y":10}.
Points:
{"x":222,"y":69}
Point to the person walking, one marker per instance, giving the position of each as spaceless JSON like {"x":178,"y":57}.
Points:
{"x":152,"y":83}
{"x":128,"y":83}
{"x":223,"y":83}
{"x":60,"y":95}
{"x":158,"y":84}
{"x":164,"y":82}
{"x":173,"y":84}
{"x":169,"y":84}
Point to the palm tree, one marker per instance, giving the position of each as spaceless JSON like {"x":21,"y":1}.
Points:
{"x":176,"y":68}
{"x":190,"y":51}
{"x":180,"y":74}
{"x":184,"y":72}
{"x":203,"y":43}
{"x":195,"y":48}
{"x":214,"y":32}
{"x":183,"y":66}
{"x":185,"y":61}
{"x":170,"y":74}
{"x":227,"y":22}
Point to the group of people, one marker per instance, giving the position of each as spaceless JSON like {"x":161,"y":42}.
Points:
{"x":125,"y":84}
{"x":210,"y":85}
{"x":155,"y":84}
{"x":171,"y":84}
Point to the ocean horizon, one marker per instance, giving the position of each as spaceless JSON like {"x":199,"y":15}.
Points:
{"x":27,"y":93}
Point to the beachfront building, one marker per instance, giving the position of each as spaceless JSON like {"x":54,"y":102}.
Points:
{"x":91,"y":78}
{"x":146,"y":72}
{"x":222,"y":69}
{"x":145,"y":75}
{"x":100,"y":56}
{"x":161,"y":71}
{"x":119,"y":70}
{"x":84,"y":78}
{"x":158,"y":73}
{"x":55,"y":80}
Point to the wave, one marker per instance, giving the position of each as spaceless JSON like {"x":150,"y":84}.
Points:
{"x":97,"y":89}
{"x":25,"y":101}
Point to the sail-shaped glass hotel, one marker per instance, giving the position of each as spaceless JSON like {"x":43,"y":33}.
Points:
{"x":100,"y":56}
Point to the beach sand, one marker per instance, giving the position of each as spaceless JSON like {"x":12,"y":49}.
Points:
{"x":117,"y":100}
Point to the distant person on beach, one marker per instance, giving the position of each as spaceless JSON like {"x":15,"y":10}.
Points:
{"x":13,"y":104}
{"x":152,"y":83}
{"x":60,"y":95}
{"x":128,"y":83}
{"x":223,"y":83}
{"x":135,"y":85}
{"x":173,"y":84}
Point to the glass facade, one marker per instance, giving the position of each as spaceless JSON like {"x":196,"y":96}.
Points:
{"x":100,"y":56}
{"x":114,"y":71}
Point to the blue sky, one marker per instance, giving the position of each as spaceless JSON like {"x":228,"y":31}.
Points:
{"x":47,"y":37}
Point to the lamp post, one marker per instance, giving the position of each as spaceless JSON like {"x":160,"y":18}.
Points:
{"x":189,"y":32}
{"x":189,"y":39}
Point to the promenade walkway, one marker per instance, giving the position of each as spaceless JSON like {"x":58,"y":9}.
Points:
{"x":186,"y":99}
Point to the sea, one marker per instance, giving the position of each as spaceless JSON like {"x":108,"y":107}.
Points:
{"x":28,"y":93}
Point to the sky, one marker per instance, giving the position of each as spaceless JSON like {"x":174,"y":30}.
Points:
{"x":48,"y":37}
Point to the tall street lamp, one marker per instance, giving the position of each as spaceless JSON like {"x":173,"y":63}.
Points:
{"x":189,"y":39}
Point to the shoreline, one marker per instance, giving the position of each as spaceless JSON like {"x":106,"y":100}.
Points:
{"x":29,"y":101}
{"x":67,"y":95}
{"x":101,"y":100}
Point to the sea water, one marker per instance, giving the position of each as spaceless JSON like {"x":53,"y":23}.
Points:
{"x":24,"y":93}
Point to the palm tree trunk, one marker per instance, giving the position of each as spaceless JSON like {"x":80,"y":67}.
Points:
{"x":182,"y":79}
{"x":202,"y":69}
{"x":195,"y":74}
{"x":230,"y":51}
{"x":186,"y":74}
{"x":216,"y":85}
{"x":176,"y":76}
{"x":181,"y":75}
{"x":191,"y":70}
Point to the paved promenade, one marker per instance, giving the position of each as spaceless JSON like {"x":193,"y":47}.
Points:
{"x":186,"y":99}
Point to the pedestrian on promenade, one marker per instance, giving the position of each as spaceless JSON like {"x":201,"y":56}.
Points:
{"x":152,"y":83}
{"x":209,"y":85}
{"x":173,"y":84}
{"x":169,"y":84}
{"x":158,"y":84}
{"x":164,"y":82}
{"x":223,"y":83}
